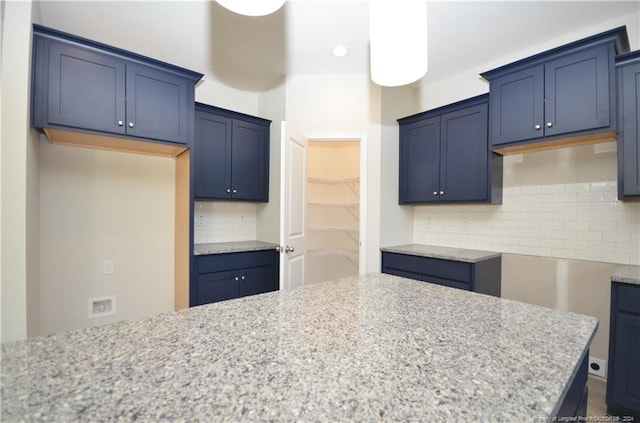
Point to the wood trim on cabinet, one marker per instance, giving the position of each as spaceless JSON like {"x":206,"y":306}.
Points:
{"x":182,"y":231}
{"x":558,"y":143}
{"x":112,"y":143}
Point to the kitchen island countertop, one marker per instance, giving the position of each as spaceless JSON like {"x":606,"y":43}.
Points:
{"x":368,"y":348}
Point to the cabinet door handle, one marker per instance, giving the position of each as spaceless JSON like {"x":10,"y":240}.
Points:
{"x":441,"y":192}
{"x":120,"y":123}
{"x":235,"y":191}
{"x":538,"y":127}
{"x":131,"y":125}
{"x":228,"y":190}
{"x":237,"y":279}
{"x":243,"y":278}
{"x":549,"y":124}
{"x":435,"y":192}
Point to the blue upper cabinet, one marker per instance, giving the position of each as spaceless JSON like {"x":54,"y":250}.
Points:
{"x":80,"y":85}
{"x":567,"y":92}
{"x":628,"y":69}
{"x":231,"y":155}
{"x":445,"y":156}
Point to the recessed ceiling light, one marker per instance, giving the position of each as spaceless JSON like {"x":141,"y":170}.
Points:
{"x":340,"y":51}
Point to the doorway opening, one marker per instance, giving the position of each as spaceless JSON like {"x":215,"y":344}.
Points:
{"x":333,"y":209}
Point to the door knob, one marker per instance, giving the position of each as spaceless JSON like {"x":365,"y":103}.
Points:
{"x":289,"y":249}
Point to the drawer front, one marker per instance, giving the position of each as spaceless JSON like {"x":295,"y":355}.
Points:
{"x":234,"y":261}
{"x":445,"y":282}
{"x":445,"y":269}
{"x":628,"y":298}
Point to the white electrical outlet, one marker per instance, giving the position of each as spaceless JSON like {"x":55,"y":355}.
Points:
{"x":465,"y":225}
{"x":108,"y":267}
{"x":429,"y":224}
{"x":200,"y":220}
{"x":597,"y":367}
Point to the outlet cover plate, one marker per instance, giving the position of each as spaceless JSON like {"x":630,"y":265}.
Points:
{"x":597,"y":367}
{"x":102,"y":306}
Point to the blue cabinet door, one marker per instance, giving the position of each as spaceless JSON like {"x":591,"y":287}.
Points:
{"x":248,"y":161}
{"x":420,"y":161}
{"x":157,"y":104}
{"x":517,"y":106}
{"x":220,"y":286}
{"x":577,"y":91}
{"x":86,"y":89}
{"x":625,"y":390}
{"x":231,"y":155}
{"x":629,"y":134}
{"x":259,"y":280}
{"x":212,"y":156}
{"x":463,"y":155}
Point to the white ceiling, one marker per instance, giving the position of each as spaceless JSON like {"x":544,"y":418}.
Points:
{"x":254,"y":53}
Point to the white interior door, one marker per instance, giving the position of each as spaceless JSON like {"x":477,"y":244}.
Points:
{"x":293,"y":209}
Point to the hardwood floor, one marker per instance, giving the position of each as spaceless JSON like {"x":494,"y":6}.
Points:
{"x":596,"y":402}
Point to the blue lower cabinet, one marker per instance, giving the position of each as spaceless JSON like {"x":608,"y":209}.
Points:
{"x":623,"y":379}
{"x":222,"y":277}
{"x":483,"y":276}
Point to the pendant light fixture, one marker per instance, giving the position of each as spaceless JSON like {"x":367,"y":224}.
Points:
{"x":398,"y":41}
{"x":252,"y":7}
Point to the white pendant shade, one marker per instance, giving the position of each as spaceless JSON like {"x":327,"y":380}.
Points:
{"x":252,"y":7}
{"x":398,"y":37}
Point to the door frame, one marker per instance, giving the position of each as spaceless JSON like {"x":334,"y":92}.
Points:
{"x":360,"y":137}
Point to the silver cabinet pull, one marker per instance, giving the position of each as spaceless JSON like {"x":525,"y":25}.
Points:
{"x":235,"y":191}
{"x":549,"y":124}
{"x":289,"y":249}
{"x":120,"y":123}
{"x":538,"y":127}
{"x":131,"y":125}
{"x":243,"y":278}
{"x":441,"y":192}
{"x":237,"y":279}
{"x":228,"y":190}
{"x":435,"y":192}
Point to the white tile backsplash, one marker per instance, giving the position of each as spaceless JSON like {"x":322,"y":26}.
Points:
{"x":224,"y":221}
{"x":582,"y":221}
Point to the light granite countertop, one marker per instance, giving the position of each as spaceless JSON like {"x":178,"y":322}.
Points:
{"x":627,"y":274}
{"x":231,"y":247}
{"x":444,"y":253}
{"x":367,"y":348}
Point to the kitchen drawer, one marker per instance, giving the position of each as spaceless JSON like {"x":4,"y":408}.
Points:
{"x":234,"y":261}
{"x":629,"y":298}
{"x":445,"y":282}
{"x":445,"y":269}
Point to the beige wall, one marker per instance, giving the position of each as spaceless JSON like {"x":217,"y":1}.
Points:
{"x":19,"y":155}
{"x":101,"y":205}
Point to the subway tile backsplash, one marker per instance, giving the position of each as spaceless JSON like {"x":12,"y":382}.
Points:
{"x":224,"y":221}
{"x":582,"y":221}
